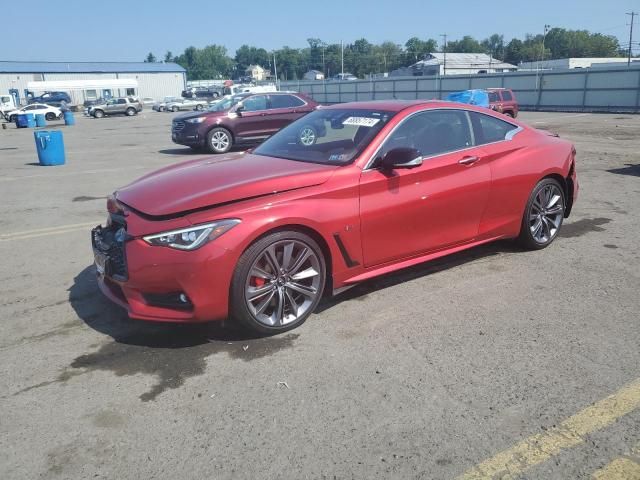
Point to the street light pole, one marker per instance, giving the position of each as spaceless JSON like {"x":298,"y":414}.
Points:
{"x":633,"y":14}
{"x":444,"y":50}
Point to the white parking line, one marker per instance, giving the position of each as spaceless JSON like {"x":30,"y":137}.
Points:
{"x":43,"y":232}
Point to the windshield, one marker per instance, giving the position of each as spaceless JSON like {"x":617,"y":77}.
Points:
{"x":225,"y":103}
{"x":331,"y":136}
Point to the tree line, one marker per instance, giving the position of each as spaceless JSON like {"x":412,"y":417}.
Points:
{"x":363,"y":57}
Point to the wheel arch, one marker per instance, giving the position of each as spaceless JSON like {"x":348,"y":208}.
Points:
{"x":311,"y":232}
{"x":220,"y":125}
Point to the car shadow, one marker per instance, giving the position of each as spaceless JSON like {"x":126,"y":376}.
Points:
{"x":100,"y":314}
{"x":630,"y":169}
{"x":362,"y":290}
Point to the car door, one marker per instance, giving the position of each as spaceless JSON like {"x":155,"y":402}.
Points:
{"x":284,"y":109}
{"x":250,"y":123}
{"x":438,"y":204}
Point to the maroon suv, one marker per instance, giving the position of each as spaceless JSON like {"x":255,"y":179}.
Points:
{"x":503,"y":100}
{"x":243,"y":119}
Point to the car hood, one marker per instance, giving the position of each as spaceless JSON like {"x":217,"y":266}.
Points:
{"x":212,"y":181}
{"x":203,"y":113}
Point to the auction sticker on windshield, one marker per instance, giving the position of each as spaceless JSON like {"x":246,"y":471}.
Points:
{"x":361,"y":121}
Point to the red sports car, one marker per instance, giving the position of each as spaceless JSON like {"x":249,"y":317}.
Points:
{"x":344,"y":194}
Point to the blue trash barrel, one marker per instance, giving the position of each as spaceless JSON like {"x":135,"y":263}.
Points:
{"x":41,"y":121}
{"x":31,"y":120}
{"x":69,"y":119}
{"x":21,"y":120}
{"x":50,"y":146}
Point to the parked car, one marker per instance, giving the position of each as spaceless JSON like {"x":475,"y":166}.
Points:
{"x":148,"y":101}
{"x":202,"y":92}
{"x":503,"y":100}
{"x":51,"y":98}
{"x":128,"y":106}
{"x":259,"y":237}
{"x":239,"y":119}
{"x":341,"y":77}
{"x":162,"y":106}
{"x":50,"y":112}
{"x":186,"y":104}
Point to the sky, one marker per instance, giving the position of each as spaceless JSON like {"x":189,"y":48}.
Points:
{"x":126,"y":30}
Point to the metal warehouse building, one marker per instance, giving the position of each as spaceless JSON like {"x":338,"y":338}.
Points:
{"x":90,"y":80}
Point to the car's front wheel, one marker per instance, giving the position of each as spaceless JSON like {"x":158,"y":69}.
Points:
{"x":199,"y":107}
{"x":219,"y":140}
{"x":174,"y":109}
{"x":98,"y":113}
{"x":12,"y":118}
{"x":278,"y":282}
{"x":130,"y":112}
{"x":543,"y":215}
{"x":50,"y":116}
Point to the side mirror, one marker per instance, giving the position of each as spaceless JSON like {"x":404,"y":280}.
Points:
{"x":239,"y":109}
{"x":401,"y":157}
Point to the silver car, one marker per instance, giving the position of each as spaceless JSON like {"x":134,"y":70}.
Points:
{"x":162,"y":106}
{"x":186,"y":104}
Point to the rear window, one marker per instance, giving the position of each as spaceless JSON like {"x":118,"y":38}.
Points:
{"x":489,"y":129}
{"x":506,"y":96}
{"x":285,"y":101}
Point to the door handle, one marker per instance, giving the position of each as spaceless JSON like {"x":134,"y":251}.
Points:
{"x":468,"y":160}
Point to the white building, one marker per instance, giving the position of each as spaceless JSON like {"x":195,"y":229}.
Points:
{"x":565,"y":63}
{"x":314,"y":75}
{"x":257,"y":73}
{"x":438,"y":63}
{"x":156,"y":80}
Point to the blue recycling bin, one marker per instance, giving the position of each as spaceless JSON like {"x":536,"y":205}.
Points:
{"x":31,"y":120}
{"x":69,"y":118}
{"x":21,"y":120}
{"x":41,"y":120}
{"x":50,"y":147}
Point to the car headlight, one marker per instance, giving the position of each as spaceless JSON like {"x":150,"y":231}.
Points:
{"x":192,"y":237}
{"x":195,"y":120}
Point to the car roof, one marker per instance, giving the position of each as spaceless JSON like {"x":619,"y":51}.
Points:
{"x":391,"y":105}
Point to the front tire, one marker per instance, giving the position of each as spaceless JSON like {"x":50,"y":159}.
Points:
{"x":278,"y":282}
{"x":543,"y":215}
{"x":199,"y":108}
{"x":50,"y":116}
{"x":98,"y":113}
{"x":130,"y":112}
{"x":219,"y":140}
{"x":174,"y":109}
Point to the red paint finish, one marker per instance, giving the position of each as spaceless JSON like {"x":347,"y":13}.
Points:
{"x":385,"y":220}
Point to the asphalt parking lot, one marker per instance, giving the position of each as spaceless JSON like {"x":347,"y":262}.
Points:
{"x":493,"y":363}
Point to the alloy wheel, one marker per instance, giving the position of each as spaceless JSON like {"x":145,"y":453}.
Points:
{"x":220,"y":141}
{"x":283,"y":283}
{"x":307,"y":136}
{"x":546,"y":213}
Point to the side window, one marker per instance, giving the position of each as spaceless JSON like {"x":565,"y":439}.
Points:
{"x":121,"y":101}
{"x":506,"y":96}
{"x":255,"y":103}
{"x":432,"y":133}
{"x":490,"y":129}
{"x":493,"y":97}
{"x":285,"y":101}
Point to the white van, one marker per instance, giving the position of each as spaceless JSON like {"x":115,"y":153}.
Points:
{"x":7,"y":104}
{"x":235,"y":89}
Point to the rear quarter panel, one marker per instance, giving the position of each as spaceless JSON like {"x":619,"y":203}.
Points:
{"x":515,"y":170}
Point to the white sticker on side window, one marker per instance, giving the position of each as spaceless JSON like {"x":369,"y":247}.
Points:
{"x":361,"y":121}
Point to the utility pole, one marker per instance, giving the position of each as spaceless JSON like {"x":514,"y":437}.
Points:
{"x":632,"y":14}
{"x":342,"y":58}
{"x":546,"y":30}
{"x":275,"y":68}
{"x":444,"y":50}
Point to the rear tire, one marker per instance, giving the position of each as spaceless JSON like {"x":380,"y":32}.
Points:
{"x":543,"y":215}
{"x":174,"y":109}
{"x":50,"y":116}
{"x":509,"y":114}
{"x":98,"y":113}
{"x":130,"y":112}
{"x":278,"y":283}
{"x":219,"y":140}
{"x":199,"y":108}
{"x":12,"y":118}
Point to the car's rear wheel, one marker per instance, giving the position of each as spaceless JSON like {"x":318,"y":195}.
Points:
{"x":199,"y":107}
{"x":307,"y":135}
{"x":543,"y":215}
{"x":219,"y":140}
{"x":174,"y":109}
{"x":509,"y":114}
{"x":12,"y":118}
{"x":215,"y":95}
{"x":98,"y":113}
{"x":278,"y":282}
{"x":130,"y":112}
{"x":50,"y":116}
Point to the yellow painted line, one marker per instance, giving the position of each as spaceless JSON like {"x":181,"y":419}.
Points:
{"x":43,"y":232}
{"x":619,"y":469}
{"x":571,"y":432}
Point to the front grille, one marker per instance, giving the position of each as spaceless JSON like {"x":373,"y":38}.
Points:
{"x":178,"y":126}
{"x":110,"y":241}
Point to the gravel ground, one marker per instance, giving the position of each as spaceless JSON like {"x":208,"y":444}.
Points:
{"x":421,"y":374}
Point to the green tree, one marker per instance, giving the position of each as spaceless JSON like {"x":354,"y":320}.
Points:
{"x":168,"y":57}
{"x":207,"y":63}
{"x":247,"y":55}
{"x":494,"y":46}
{"x":416,"y":49}
{"x":151,"y":58}
{"x":513,"y":51}
{"x":466,"y":44}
